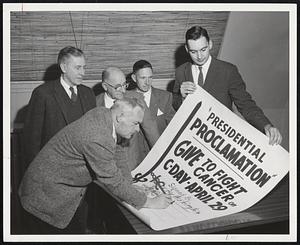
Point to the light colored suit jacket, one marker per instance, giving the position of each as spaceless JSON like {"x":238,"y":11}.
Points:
{"x":224,"y":82}
{"x":148,"y":125}
{"x":161,"y":109}
{"x":84,"y":151}
{"x":156,"y":119}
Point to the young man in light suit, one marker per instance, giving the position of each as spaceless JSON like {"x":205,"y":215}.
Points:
{"x":157,"y":100}
{"x":85,"y":151}
{"x":219,"y":78}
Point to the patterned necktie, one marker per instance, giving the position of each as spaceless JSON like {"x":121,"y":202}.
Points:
{"x":73,"y":94}
{"x":200,"y":77}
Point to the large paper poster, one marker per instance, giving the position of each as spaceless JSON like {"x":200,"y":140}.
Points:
{"x":212,"y":163}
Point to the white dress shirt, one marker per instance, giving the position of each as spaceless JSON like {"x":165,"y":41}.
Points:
{"x":67,"y":87}
{"x":195,"y":70}
{"x":114,"y":134}
{"x":147,"y":97}
{"x":108,"y":101}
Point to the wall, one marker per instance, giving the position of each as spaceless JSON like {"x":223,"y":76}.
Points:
{"x":107,"y":38}
{"x":258,"y":43}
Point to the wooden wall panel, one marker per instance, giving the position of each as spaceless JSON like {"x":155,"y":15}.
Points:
{"x":107,"y":38}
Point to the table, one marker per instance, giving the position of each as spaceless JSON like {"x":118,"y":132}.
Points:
{"x":274,"y":207}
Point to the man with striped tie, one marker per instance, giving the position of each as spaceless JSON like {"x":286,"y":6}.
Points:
{"x":219,"y":78}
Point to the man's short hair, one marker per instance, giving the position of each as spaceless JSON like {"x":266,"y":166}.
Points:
{"x":195,"y":33}
{"x":105,"y":75}
{"x":141,"y":64}
{"x":67,"y":52}
{"x":128,"y":101}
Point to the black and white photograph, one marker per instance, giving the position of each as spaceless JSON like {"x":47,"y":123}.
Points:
{"x":149,"y":122}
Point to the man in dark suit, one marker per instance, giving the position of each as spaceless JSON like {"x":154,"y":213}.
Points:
{"x":83,"y":152}
{"x":55,"y":104}
{"x":219,"y":78}
{"x":157,"y":100}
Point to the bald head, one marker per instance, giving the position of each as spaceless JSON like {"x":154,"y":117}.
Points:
{"x":114,"y":82}
{"x":112,"y":73}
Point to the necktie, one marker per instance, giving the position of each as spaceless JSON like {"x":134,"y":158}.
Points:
{"x":73,"y":94}
{"x":144,"y":96}
{"x":200,"y":77}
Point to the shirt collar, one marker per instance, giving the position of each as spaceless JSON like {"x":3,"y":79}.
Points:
{"x":205,"y":67}
{"x":67,"y":86}
{"x":108,"y":101}
{"x":147,"y":96}
{"x":206,"y":64}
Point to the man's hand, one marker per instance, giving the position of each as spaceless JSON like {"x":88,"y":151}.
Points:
{"x":139,"y":188}
{"x":159,"y":202}
{"x":273,"y":134}
{"x":187,"y":88}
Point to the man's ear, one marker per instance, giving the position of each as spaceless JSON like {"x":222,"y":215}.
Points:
{"x":104,"y":86}
{"x":186,"y":48}
{"x":210,"y":44}
{"x":119,"y":117}
{"x":133,"y":76}
{"x":62,"y":67}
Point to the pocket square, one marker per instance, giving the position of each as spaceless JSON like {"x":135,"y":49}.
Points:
{"x":159,"y":112}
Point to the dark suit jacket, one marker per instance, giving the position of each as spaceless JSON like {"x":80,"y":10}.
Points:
{"x":47,"y":114}
{"x":161,"y":109}
{"x":224,"y":82}
{"x":83,"y":151}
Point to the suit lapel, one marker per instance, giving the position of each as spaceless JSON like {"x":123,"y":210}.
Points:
{"x":59,"y":93}
{"x":83,"y":99}
{"x":100,"y":99}
{"x":153,"y":102}
{"x":188,"y":72}
{"x":210,"y":76}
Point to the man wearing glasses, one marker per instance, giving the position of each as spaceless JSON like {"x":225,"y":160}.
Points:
{"x":114,"y":85}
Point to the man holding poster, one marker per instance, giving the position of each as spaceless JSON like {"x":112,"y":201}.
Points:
{"x":219,"y":78}
{"x":211,"y":162}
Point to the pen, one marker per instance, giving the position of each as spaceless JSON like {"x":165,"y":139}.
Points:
{"x":157,"y":183}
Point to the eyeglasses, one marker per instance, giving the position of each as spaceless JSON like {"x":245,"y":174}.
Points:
{"x":118,"y":86}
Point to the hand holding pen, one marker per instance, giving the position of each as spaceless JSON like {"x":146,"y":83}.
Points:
{"x":164,"y":199}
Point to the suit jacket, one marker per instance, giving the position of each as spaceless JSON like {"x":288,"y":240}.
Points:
{"x":148,"y":125}
{"x":47,"y":114}
{"x":161,"y":109}
{"x":83,"y":151}
{"x":224,"y":82}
